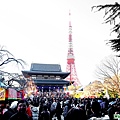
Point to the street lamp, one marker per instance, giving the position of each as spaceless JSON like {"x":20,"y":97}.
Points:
{"x":49,"y":89}
{"x":42,"y":89}
{"x":54,"y":88}
{"x":58,"y":89}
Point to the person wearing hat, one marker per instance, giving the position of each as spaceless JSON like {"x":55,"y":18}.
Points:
{"x":12,"y":110}
{"x":21,"y":113}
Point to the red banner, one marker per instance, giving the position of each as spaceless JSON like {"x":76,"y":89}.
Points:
{"x":12,"y":93}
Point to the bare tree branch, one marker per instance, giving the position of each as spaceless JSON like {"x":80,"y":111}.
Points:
{"x":5,"y":58}
{"x":109,"y":72}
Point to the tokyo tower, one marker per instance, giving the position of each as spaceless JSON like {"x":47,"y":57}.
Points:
{"x":71,"y":60}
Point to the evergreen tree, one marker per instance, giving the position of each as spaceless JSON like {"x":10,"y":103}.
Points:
{"x":112,"y":16}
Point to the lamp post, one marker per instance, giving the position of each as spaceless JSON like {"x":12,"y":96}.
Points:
{"x":42,"y":90}
{"x":58,"y":89}
{"x":49,"y":89}
{"x":54,"y":88}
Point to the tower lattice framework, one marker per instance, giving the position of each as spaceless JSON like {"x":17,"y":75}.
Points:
{"x":71,"y":60}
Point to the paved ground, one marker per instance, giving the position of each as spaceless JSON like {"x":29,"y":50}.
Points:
{"x":55,"y":118}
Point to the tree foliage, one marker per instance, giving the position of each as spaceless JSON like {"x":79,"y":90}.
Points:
{"x":94,"y":88}
{"x":112,"y":16}
{"x":109,"y":72}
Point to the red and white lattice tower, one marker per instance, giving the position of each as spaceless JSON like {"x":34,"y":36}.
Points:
{"x":71,"y":60}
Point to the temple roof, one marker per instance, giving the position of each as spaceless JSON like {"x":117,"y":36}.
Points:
{"x":46,"y":69}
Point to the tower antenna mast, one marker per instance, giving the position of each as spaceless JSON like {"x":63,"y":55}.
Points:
{"x":71,"y":59}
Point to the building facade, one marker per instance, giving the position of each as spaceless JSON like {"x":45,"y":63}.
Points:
{"x":47,"y":76}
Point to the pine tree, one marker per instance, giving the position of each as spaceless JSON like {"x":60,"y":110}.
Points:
{"x":112,"y":16}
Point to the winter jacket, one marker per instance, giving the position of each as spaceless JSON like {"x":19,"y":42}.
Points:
{"x":20,"y":116}
{"x":45,"y":115}
{"x":35,"y":113}
{"x":29,"y":112}
{"x":8,"y":114}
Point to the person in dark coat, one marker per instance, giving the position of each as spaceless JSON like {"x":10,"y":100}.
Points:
{"x":76,"y":114}
{"x":111,"y":111}
{"x":58,"y":111}
{"x":45,"y":114}
{"x":12,"y":110}
{"x":96,"y":109}
{"x":1,"y":112}
{"x":21,"y":112}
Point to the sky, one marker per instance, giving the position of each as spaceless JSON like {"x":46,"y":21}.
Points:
{"x":37,"y":32}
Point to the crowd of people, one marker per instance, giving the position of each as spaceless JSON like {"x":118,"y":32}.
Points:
{"x":49,"y":105}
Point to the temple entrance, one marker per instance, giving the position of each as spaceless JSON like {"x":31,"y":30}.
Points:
{"x":49,"y":88}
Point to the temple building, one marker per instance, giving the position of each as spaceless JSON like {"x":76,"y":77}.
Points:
{"x":47,"y":76}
